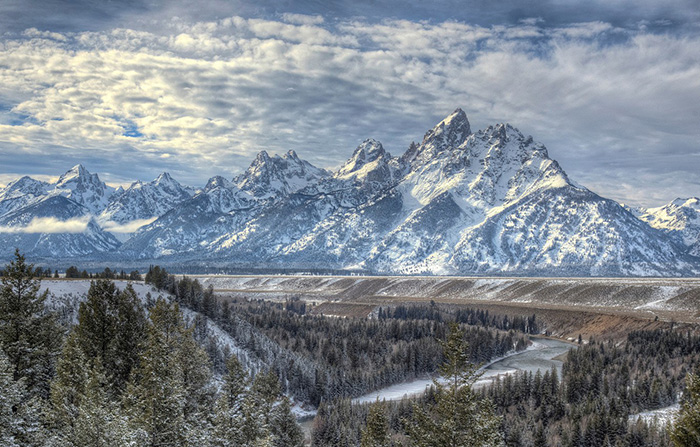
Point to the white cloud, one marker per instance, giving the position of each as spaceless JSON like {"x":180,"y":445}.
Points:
{"x":210,"y":94}
{"x":50,"y":225}
{"x":128,"y":227}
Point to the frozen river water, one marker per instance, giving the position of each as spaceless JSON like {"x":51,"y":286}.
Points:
{"x":541,"y":355}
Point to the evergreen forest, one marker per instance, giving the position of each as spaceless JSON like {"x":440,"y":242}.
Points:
{"x":114,"y":368}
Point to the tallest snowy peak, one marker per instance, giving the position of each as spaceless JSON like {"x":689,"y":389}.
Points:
{"x":448,"y":134}
{"x":453,"y":130}
{"x":458,"y":117}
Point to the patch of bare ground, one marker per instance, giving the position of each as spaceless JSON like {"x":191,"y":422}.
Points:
{"x":340,"y":309}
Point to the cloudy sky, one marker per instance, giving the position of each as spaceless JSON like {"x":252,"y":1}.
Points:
{"x":133,"y":88}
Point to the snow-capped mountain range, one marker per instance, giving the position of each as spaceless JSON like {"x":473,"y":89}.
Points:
{"x":460,"y":202}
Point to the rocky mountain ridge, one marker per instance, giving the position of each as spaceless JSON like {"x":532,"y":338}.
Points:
{"x":460,"y":202}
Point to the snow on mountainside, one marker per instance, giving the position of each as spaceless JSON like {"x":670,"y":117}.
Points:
{"x":304,"y":220}
{"x":84,"y":188}
{"x":21,"y":193}
{"x":222,"y":207}
{"x":460,"y":202}
{"x":55,"y":220}
{"x":680,"y":218}
{"x":53,"y":227}
{"x":146,"y":200}
{"x":269,"y":176}
{"x":487,"y":202}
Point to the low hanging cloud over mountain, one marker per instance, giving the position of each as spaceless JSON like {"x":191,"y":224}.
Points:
{"x":126,"y":228}
{"x":616,"y":101}
{"x":49,"y":225}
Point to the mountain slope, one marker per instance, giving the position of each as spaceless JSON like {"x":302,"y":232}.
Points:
{"x":460,"y":202}
{"x":268,"y":177}
{"x":679,"y":219}
{"x":21,"y":193}
{"x":222,"y":207}
{"x":146,"y":200}
{"x":84,"y":188}
{"x":54,"y":227}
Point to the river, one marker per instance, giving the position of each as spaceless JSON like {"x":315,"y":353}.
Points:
{"x":540,"y":355}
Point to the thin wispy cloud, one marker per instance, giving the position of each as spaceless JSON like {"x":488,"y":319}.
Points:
{"x":125,"y":228}
{"x":205,"y":96}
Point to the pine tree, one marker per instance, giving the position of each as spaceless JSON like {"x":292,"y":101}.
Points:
{"x":131,"y":330}
{"x":285,"y":429}
{"x":68,"y":388}
{"x":155,"y":400}
{"x":19,"y":413}
{"x":196,"y":377}
{"x":29,"y":335}
{"x":110,"y":326}
{"x":97,"y":320}
{"x":686,"y":429}
{"x":229,"y":415}
{"x":11,"y":397}
{"x":99,"y":423}
{"x":376,"y":434}
{"x":459,"y":417}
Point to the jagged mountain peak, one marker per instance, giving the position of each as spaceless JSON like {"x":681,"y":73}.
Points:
{"x":690,"y":202}
{"x":682,"y":215}
{"x":25,"y":185}
{"x":680,"y":219}
{"x":450,"y":132}
{"x":269,"y":176}
{"x":260,"y":158}
{"x":292,"y":155}
{"x":263,"y":160}
{"x":217,"y":182}
{"x":77,"y":172}
{"x":488,"y":168}
{"x":20,"y":193}
{"x":165,"y":177}
{"x":87,"y":189}
{"x":145,"y":200}
{"x":367,"y":153}
{"x":504,"y":137}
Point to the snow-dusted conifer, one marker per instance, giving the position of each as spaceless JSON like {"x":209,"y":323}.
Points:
{"x":99,"y":423}
{"x":285,"y":429}
{"x":686,"y":429}
{"x":67,"y":389}
{"x":155,"y":400}
{"x":228,"y":419}
{"x":28,"y":334}
{"x":376,"y":434}
{"x":19,"y":413}
{"x":459,"y":418}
